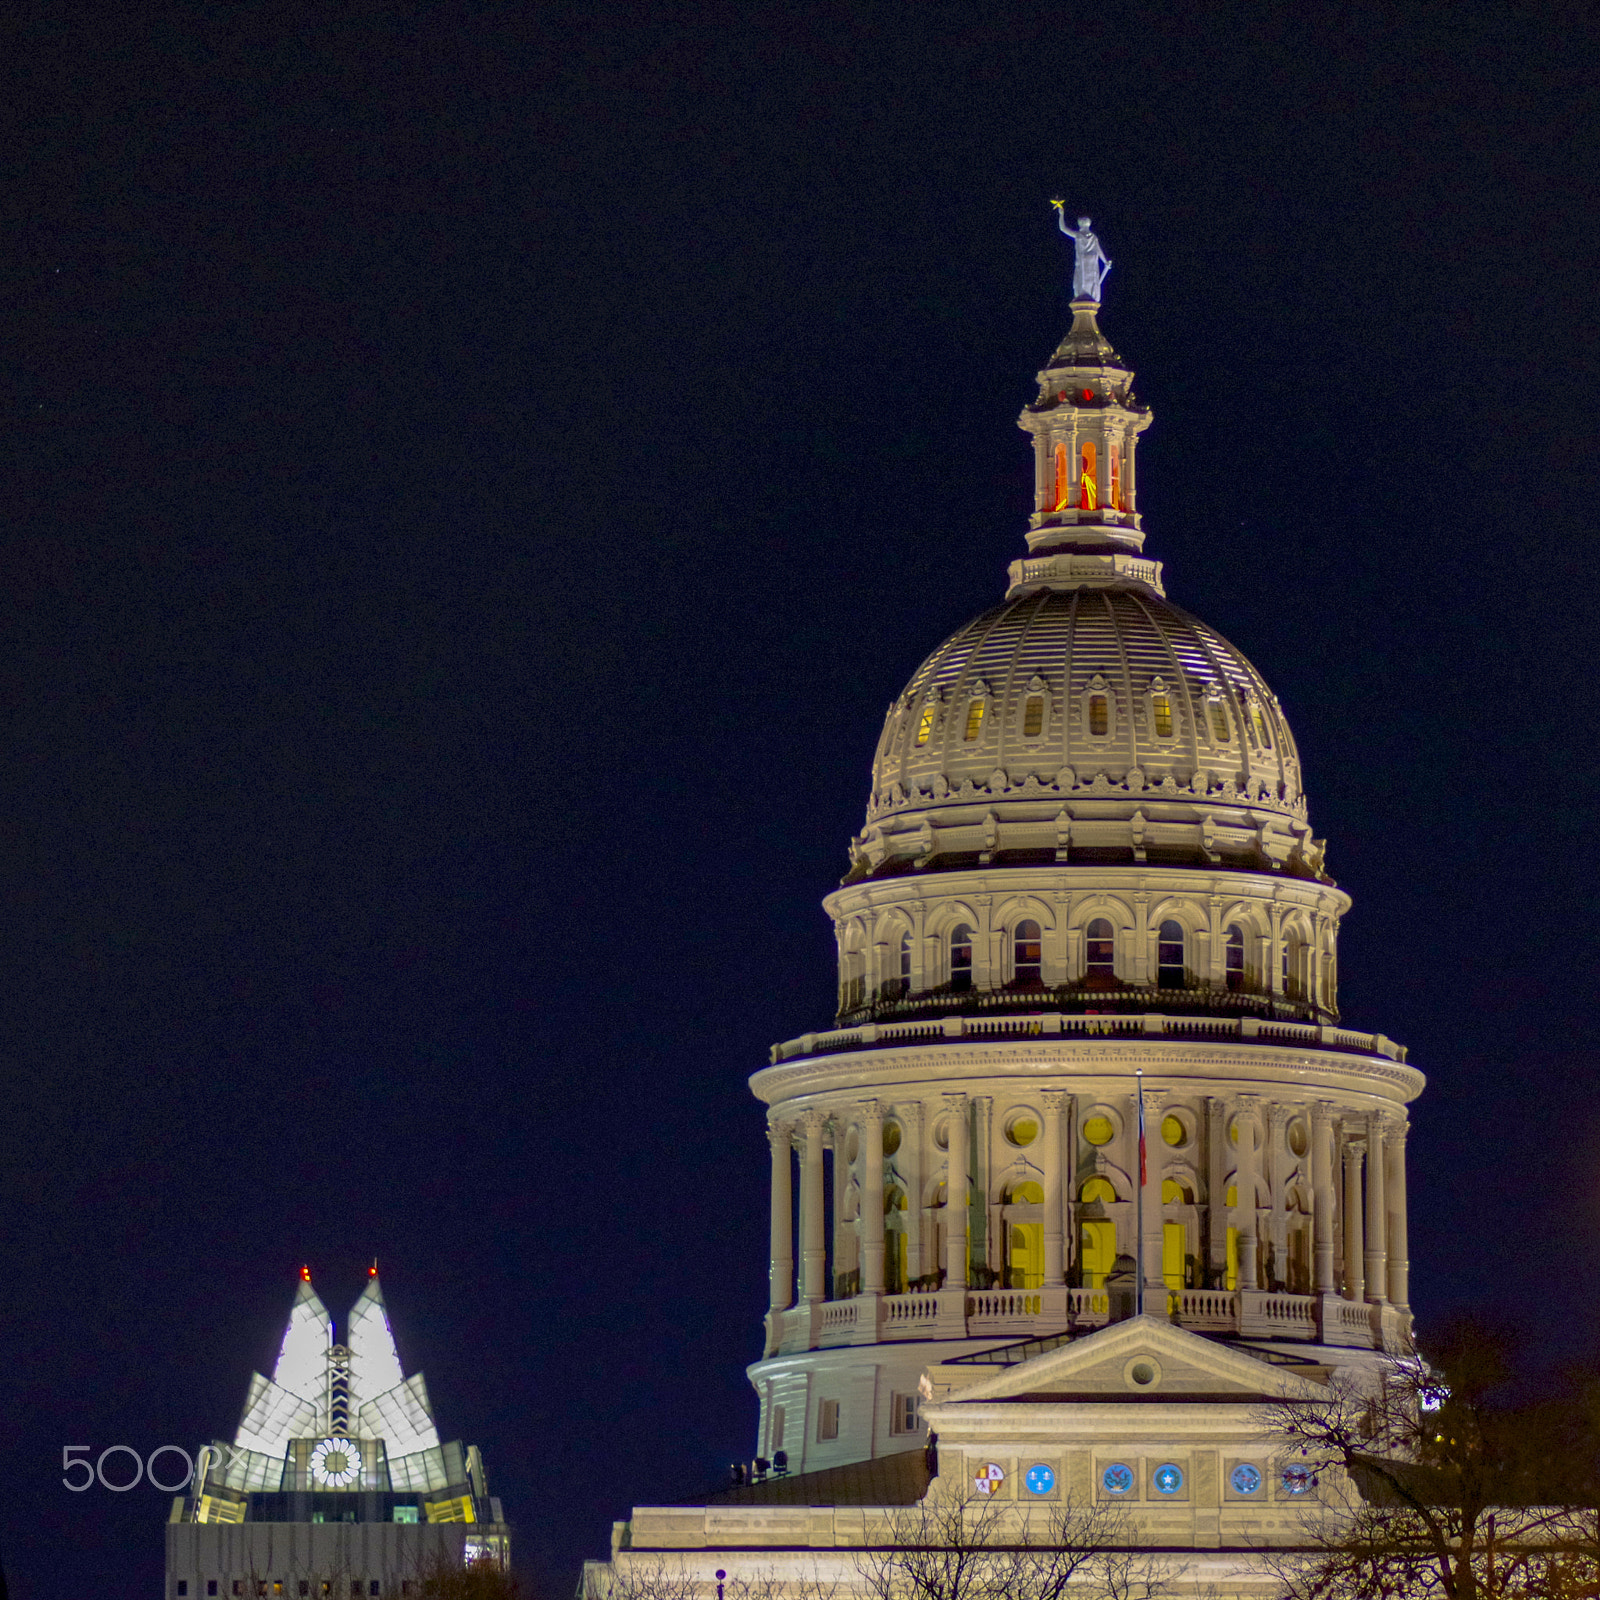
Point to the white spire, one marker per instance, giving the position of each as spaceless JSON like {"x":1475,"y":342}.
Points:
{"x":374,"y":1361}
{"x":302,"y":1366}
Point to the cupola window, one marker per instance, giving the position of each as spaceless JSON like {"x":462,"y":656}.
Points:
{"x":1161,"y":713}
{"x":1234,"y":958}
{"x":1089,"y":497}
{"x":925,"y":723}
{"x":1099,"y":716}
{"x":1027,"y":967}
{"x":1116,"y":478}
{"x":1169,"y":956}
{"x":1063,"y":479}
{"x":974,"y":719}
{"x":961,"y":958}
{"x":1220,"y":729}
{"x":902,"y":979}
{"x":1033,"y":717}
{"x":1100,"y":945}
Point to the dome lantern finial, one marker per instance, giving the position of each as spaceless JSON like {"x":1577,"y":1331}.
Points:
{"x":1085,"y":425}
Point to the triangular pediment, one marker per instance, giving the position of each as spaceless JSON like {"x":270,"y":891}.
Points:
{"x":1141,"y":1358}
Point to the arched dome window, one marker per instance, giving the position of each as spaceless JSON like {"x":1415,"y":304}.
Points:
{"x":1221,"y":728}
{"x":1161,"y":713}
{"x":1294,"y":966}
{"x":1027,"y":948}
{"x":1234,"y":958}
{"x":974,"y":719}
{"x":900,"y":980}
{"x":925,"y":724}
{"x":1100,"y":951}
{"x":1099,"y":716}
{"x":1033,"y":716}
{"x":1116,"y":478}
{"x":1063,"y":479}
{"x":1089,"y":497}
{"x":961,"y":958}
{"x":1170,"y":964}
{"x":1259,"y":723}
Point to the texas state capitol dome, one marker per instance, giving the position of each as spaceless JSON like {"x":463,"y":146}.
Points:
{"x":1086,"y":886}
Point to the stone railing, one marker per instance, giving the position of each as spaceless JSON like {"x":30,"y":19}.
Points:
{"x":1060,"y":1025}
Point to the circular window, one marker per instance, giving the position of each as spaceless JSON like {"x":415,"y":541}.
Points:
{"x":1098,"y":1130}
{"x":1168,"y":1478}
{"x":1299,"y":1140}
{"x":1040,"y":1479}
{"x":852,"y":1146}
{"x":989,"y":1478}
{"x":1174,"y":1132}
{"x":1297,"y":1479}
{"x":1117,"y":1479}
{"x":1143,"y":1372}
{"x":941,"y":1135}
{"x":1245,"y":1478}
{"x":1022,"y":1131}
{"x":891,"y":1138}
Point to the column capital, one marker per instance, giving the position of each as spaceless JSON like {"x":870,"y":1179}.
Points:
{"x":1055,"y":1101}
{"x":871,"y":1112}
{"x":1279,"y":1112}
{"x":953,"y":1102}
{"x":780,"y":1132}
{"x":1354,"y":1149}
{"x":1322,"y":1113}
{"x":813,"y":1120}
{"x":910,"y":1114}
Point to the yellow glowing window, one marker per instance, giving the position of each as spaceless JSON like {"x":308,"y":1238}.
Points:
{"x":1098,"y":1131}
{"x":1232,"y":1280}
{"x":974,"y":720}
{"x":1173,"y":1193}
{"x":1033,"y":717}
{"x":1097,"y":1251}
{"x":891,"y":1142}
{"x":1173,"y":1241}
{"x":1099,"y":716}
{"x":1232,"y":1196}
{"x":1089,"y":498}
{"x":1023,"y":1132}
{"x":1116,"y":478}
{"x":1063,"y":479}
{"x":925,"y":726}
{"x":1220,"y":730}
{"x":1025,"y":1194}
{"x":1097,"y":1189}
{"x":1174,"y":1132}
{"x":1259,"y":723}
{"x":1161,"y":710}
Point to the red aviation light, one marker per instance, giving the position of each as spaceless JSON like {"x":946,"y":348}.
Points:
{"x":305,"y":1274}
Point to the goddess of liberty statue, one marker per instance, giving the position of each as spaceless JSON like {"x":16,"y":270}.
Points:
{"x":1091,"y":266}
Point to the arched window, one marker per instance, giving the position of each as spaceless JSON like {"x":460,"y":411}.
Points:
{"x":901,"y":984}
{"x":974,"y":720}
{"x":1234,"y":957}
{"x":1294,"y":962}
{"x":1097,"y":1189}
{"x":1033,"y":717}
{"x":961,"y":958}
{"x":1161,"y":713}
{"x":1100,"y":948}
{"x":1099,"y":716}
{"x":925,"y":723}
{"x":1259,"y":723}
{"x":1027,"y":966}
{"x":1063,"y":479}
{"x":1169,"y":956}
{"x":1089,"y":495}
{"x":1221,"y":729}
{"x":1116,"y":478}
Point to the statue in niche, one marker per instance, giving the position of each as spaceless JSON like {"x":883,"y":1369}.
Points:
{"x":1091,"y":264}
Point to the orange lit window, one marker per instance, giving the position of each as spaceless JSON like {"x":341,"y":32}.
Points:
{"x":1089,"y":499}
{"x":1033,"y":717}
{"x":1063,"y":479}
{"x":925,"y":726}
{"x":1099,"y":716}
{"x":974,"y":720}
{"x":1116,"y":478}
{"x":1161,"y":711}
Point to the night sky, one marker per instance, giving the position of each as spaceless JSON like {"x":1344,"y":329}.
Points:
{"x":475,"y":476}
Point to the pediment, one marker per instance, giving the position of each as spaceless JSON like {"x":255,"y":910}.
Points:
{"x":1142,"y":1358}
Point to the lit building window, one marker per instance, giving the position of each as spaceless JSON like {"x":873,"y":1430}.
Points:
{"x":925,"y":724}
{"x":1116,"y":478}
{"x":1259,"y":723}
{"x":1169,"y":956}
{"x":1033,"y":717}
{"x":1100,"y":944}
{"x":1028,"y":964}
{"x":1220,"y":729}
{"x":1161,"y":714}
{"x":1234,"y":957}
{"x":1099,"y":716}
{"x":974,"y":720}
{"x":1089,"y":489}
{"x":1063,"y":479}
{"x":961,"y":957}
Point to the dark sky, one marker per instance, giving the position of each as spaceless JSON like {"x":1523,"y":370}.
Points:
{"x":474,"y":477}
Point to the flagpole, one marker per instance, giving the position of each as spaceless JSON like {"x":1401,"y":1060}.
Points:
{"x":1138,"y":1302}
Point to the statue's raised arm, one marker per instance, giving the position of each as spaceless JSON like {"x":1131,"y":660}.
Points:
{"x":1091,"y":264}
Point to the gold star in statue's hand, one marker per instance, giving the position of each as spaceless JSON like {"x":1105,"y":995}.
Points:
{"x":1058,"y":204}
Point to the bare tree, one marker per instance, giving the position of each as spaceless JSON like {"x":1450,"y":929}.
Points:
{"x":1434,"y":1486}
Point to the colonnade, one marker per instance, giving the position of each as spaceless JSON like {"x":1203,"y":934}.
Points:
{"x":1358,"y":1223}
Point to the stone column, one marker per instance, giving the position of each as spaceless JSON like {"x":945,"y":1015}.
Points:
{"x":1155,"y":1288}
{"x":782,"y":1272}
{"x":1244,"y":1177}
{"x":1399,"y":1267}
{"x":813,"y":1240}
{"x":1354,"y":1283}
{"x":986,"y":1247}
{"x":1322,"y":1200}
{"x":955,"y":1208}
{"x":1050,"y":1160}
{"x":844,"y":1235}
{"x":1376,"y":1254}
{"x":871,"y":1197}
{"x":1216,"y":1190}
{"x":911,"y":1137}
{"x":1277,"y":1188}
